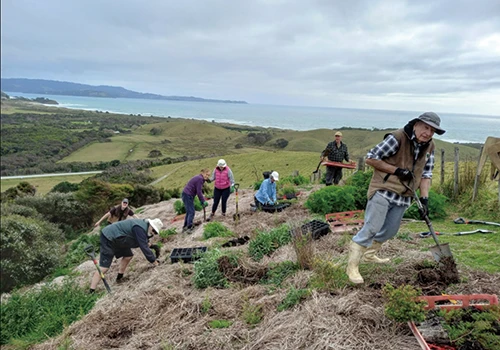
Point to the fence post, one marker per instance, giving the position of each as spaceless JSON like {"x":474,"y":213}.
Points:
{"x":476,"y":180}
{"x":442,"y":166}
{"x":361,"y":163}
{"x":455,"y":175}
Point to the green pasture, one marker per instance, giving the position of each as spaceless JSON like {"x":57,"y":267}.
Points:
{"x":43,"y":184}
{"x":474,"y":251}
{"x":97,"y":152}
{"x":247,"y":168}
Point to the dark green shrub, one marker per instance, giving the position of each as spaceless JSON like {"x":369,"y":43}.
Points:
{"x":23,"y":210}
{"x":402,"y":304}
{"x":30,"y":250}
{"x":332,"y":199}
{"x":34,"y":316}
{"x":266,"y":243}
{"x":65,"y":187}
{"x":292,"y":298}
{"x":76,"y":253}
{"x":100,"y":196}
{"x":437,"y":204}
{"x":256,"y":185}
{"x":180,"y":209}
{"x":216,"y":229}
{"x":295,"y":180}
{"x":26,"y":189}
{"x":145,"y":195}
{"x":360,"y":180}
{"x":60,"y":208}
{"x":174,"y":192}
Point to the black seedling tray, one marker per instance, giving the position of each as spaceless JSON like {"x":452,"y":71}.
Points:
{"x":316,"y":227}
{"x":275,"y":208}
{"x":187,"y":254}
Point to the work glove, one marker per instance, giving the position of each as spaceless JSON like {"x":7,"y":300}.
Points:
{"x":270,"y":203}
{"x":403,"y":174}
{"x":425,"y":207}
{"x":205,"y":204}
{"x":231,"y":189}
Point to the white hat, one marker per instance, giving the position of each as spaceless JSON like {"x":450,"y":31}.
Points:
{"x":156,"y":224}
{"x":275,"y":175}
{"x":221,"y":163}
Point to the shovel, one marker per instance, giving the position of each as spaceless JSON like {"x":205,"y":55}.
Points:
{"x":90,"y":252}
{"x":462,"y":233}
{"x":317,"y":168}
{"x":236,"y":216}
{"x":439,"y":250}
{"x":463,"y":221}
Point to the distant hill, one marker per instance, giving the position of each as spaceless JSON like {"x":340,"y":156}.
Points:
{"x":54,"y":87}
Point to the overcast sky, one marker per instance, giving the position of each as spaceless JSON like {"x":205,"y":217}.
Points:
{"x":404,"y":55}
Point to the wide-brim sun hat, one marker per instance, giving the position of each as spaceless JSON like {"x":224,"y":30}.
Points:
{"x":156,"y":224}
{"x":221,"y":163}
{"x":275,"y":175}
{"x":431,"y":119}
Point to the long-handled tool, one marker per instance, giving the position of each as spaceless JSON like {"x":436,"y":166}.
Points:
{"x":463,"y":221}
{"x":317,"y":168}
{"x":461,"y":233}
{"x":439,"y":250}
{"x":90,"y":252}
{"x":204,"y":214}
{"x":236,"y":216}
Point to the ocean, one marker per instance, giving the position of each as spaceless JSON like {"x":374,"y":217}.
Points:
{"x":459,"y":127}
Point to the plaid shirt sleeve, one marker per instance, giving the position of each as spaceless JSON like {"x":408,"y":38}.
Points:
{"x":388,"y":147}
{"x":429,"y":166}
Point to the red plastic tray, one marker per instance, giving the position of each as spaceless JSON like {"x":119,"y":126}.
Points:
{"x":346,"y":220}
{"x":459,"y":301}
{"x":340,"y":165}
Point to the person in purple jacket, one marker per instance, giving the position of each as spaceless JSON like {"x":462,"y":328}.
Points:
{"x":192,"y":189}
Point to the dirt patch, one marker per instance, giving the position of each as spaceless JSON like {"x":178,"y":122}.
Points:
{"x":243,"y":272}
{"x":433,"y":279}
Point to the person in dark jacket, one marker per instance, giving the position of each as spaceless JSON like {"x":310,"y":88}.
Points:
{"x":118,"y":213}
{"x":118,"y":239}
{"x":335,"y":151}
{"x":404,"y":159}
{"x":194,"y":188}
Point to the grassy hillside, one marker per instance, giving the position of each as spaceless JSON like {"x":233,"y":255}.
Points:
{"x":247,"y":168}
{"x":194,"y":138}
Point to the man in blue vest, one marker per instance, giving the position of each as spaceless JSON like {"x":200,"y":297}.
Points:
{"x":118,"y":239}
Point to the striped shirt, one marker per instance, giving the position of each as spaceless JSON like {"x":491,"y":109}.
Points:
{"x":388,"y":147}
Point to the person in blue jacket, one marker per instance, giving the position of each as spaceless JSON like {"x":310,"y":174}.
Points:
{"x":118,"y":239}
{"x":266,"y":195}
{"x":194,"y":188}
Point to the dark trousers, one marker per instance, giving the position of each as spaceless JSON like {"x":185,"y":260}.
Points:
{"x":218,"y":194}
{"x":189,"y":205}
{"x":334,"y":174}
{"x":258,"y":204}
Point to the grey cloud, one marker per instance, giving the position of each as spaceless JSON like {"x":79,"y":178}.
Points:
{"x":262,"y":51}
